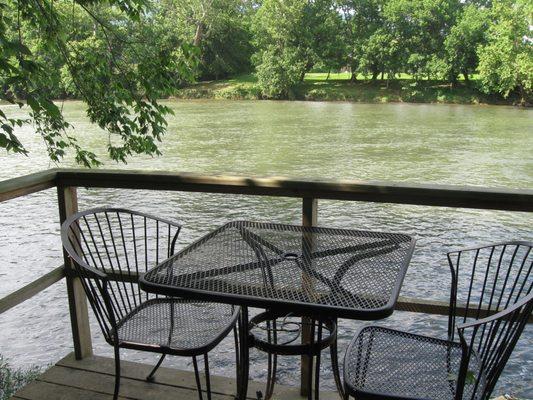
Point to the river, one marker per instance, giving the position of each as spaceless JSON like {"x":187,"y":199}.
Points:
{"x":443,"y":144}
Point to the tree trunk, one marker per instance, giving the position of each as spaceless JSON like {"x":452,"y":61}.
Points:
{"x":199,"y":34}
{"x":382,"y":75}
{"x":375,"y":75}
{"x":353,"y":78}
{"x":467,"y":79}
{"x":329,"y":72}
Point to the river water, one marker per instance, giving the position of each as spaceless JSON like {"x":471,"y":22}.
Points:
{"x":444,"y":144}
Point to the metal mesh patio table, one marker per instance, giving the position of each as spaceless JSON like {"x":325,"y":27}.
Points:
{"x":312,"y":271}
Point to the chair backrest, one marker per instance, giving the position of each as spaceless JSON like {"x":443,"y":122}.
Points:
{"x":495,"y":285}
{"x":109,"y":248}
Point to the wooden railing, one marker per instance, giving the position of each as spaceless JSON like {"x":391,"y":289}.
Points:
{"x":67,"y":180}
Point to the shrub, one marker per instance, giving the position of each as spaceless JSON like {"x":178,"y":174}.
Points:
{"x":239,"y":92}
{"x":279,"y":72}
{"x":12,"y":379}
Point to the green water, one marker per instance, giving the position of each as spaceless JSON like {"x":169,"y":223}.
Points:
{"x":472,"y":145}
{"x":443,"y":144}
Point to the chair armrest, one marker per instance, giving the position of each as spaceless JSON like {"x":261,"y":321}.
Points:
{"x":499,"y":315}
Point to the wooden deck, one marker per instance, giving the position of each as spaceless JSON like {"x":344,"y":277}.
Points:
{"x":93,"y":378}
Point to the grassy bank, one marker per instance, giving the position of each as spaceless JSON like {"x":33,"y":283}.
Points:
{"x":338,"y":87}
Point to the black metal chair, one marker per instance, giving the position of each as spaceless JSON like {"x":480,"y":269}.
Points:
{"x":109,"y":248}
{"x":494,"y":284}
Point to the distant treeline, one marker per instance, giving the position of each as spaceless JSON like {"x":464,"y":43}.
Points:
{"x":281,"y":40}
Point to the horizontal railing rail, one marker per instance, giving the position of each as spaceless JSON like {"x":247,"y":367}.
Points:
{"x":31,"y":289}
{"x":24,"y":185}
{"x":382,"y":192}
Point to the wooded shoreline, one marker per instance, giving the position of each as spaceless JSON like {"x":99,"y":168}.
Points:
{"x":316,"y":88}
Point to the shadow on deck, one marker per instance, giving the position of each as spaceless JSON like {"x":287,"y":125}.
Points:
{"x":93,"y":378}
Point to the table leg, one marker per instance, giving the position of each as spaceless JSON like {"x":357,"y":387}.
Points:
{"x":272,"y":361}
{"x":242,"y":384}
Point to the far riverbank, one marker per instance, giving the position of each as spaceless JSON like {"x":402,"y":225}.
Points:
{"x":338,"y":87}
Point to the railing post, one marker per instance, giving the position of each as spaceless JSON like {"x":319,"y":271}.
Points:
{"x":309,"y":218}
{"x":77,"y":301}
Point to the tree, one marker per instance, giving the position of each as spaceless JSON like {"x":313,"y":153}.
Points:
{"x":283,"y":39}
{"x":220,"y":29}
{"x":327,"y":28}
{"x":421,"y":27}
{"x":291,"y":36}
{"x":381,"y":52}
{"x":506,"y":60}
{"x":117,"y":74}
{"x":467,"y":34}
{"x":279,"y":70}
{"x":362,"y":19}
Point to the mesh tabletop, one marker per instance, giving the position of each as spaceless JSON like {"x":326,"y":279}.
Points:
{"x":346,"y":273}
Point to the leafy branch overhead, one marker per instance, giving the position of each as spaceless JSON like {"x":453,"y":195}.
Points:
{"x":111,"y":56}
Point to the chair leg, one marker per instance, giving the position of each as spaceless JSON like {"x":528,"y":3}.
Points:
{"x":244,"y":364}
{"x":150,"y":377}
{"x":345,"y":394}
{"x":197,"y":376}
{"x":310,"y":372}
{"x":317,"y":368}
{"x":237,"y":358}
{"x":207,"y":376}
{"x":117,"y":373}
{"x":335,"y":365}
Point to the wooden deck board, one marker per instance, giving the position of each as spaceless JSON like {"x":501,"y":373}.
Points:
{"x":93,"y":378}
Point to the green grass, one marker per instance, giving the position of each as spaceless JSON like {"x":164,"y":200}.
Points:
{"x":345,"y":76}
{"x":339,"y":88}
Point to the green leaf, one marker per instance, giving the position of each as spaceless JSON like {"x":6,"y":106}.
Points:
{"x":33,"y":103}
{"x":452,"y":377}
{"x":470,"y":378}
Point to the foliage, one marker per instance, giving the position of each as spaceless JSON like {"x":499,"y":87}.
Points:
{"x":363,"y":19}
{"x":421,"y":27}
{"x":284,"y":42}
{"x":427,"y":39}
{"x":291,"y":36}
{"x":506,"y":61}
{"x":279,"y":70}
{"x":381,"y":52}
{"x":119,"y":68}
{"x":12,"y":380}
{"x":460,"y":45}
{"x":219,"y":28}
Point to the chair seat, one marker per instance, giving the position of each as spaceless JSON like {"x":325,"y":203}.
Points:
{"x":386,"y":363}
{"x":176,"y":326}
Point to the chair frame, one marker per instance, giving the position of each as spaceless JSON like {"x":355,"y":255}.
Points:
{"x":96,"y":284}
